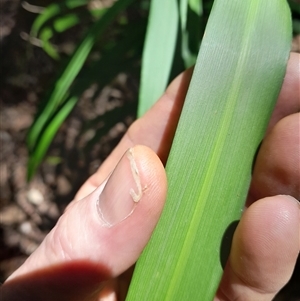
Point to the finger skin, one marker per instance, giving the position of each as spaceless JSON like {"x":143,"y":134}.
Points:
{"x":264,"y":251}
{"x":277,"y":167}
{"x":80,"y":236}
{"x":155,"y":130}
{"x":157,"y":127}
{"x":73,"y":281}
{"x":289,"y":97}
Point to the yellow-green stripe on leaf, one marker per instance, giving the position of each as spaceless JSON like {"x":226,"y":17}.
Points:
{"x":236,"y":81}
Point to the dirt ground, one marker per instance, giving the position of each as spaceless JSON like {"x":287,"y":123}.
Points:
{"x":29,"y":210}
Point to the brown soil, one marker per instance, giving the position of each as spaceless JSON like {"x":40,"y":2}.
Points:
{"x":29,"y":210}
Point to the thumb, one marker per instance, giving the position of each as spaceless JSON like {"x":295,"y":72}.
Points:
{"x":98,"y":237}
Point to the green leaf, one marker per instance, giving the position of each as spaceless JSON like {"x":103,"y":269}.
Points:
{"x":52,"y":11}
{"x":48,"y":135}
{"x":158,"y":52}
{"x":196,"y":6}
{"x":236,"y":81}
{"x":45,"y":36}
{"x":61,"y":88}
{"x":68,"y":75}
{"x":192,"y":28}
{"x":56,"y":20}
{"x":66,"y":22}
{"x":185,"y":51}
{"x":52,"y":115}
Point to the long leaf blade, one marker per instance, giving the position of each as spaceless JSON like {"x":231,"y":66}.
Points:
{"x":68,"y":75}
{"x":237,"y":78}
{"x":158,"y":52}
{"x":49,"y":133}
{"x":52,"y":11}
{"x":110,"y":64}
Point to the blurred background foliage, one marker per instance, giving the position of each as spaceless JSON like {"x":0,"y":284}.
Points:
{"x":74,"y":75}
{"x":115,"y":36}
{"x":112,"y":42}
{"x":153,"y":38}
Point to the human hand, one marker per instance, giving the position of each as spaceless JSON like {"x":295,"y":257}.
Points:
{"x":89,"y":253}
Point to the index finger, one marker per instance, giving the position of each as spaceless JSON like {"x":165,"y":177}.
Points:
{"x":157,"y":127}
{"x":289,"y":97}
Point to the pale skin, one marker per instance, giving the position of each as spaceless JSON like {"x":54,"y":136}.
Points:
{"x":84,"y":258}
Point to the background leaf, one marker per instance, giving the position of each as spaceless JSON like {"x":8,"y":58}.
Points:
{"x":158,"y":52}
{"x":37,"y":134}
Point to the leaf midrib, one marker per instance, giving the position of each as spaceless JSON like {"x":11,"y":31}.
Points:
{"x":214,"y":162}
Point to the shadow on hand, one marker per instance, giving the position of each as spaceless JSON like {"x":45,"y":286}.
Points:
{"x":76,"y":280}
{"x":226,"y":243}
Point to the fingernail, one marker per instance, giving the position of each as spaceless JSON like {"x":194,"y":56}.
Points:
{"x":121,"y":193}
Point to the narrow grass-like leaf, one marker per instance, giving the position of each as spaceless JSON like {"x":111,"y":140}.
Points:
{"x":48,"y":136}
{"x":102,"y":72}
{"x":186,"y":55}
{"x":45,"y":36}
{"x":66,"y":22}
{"x":52,"y":11}
{"x":158,"y":52}
{"x":196,"y":6}
{"x":61,"y":24}
{"x":61,"y":87}
{"x":70,"y":72}
{"x":192,"y":28}
{"x":236,"y":81}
